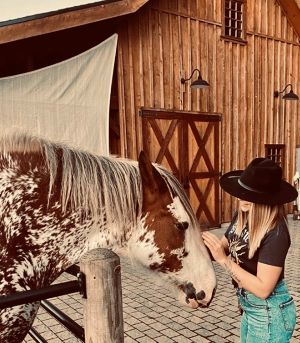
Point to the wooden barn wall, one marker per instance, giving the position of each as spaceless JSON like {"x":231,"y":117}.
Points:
{"x":166,"y":40}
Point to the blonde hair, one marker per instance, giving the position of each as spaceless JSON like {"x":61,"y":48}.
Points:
{"x":261,"y":219}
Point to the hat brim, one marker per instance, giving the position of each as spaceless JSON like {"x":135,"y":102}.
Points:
{"x":229,"y":183}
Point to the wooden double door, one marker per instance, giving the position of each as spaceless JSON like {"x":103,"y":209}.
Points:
{"x":187,"y":143}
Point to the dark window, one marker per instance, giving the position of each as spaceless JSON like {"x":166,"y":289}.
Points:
{"x":276,"y":152}
{"x":234,"y":19}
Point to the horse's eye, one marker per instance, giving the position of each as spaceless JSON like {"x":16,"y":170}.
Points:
{"x":182,"y":226}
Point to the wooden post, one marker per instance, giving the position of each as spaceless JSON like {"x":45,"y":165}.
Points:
{"x":102,"y":310}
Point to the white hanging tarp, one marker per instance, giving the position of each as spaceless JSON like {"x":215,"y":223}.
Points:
{"x":66,"y":102}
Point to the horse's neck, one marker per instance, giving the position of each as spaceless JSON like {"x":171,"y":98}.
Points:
{"x":111,"y":235}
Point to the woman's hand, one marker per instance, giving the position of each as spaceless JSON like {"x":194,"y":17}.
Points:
{"x":215,"y":246}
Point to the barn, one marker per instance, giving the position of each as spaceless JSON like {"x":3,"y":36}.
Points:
{"x":243,"y":54}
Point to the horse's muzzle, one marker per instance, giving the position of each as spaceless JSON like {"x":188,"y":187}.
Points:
{"x":190,"y":292}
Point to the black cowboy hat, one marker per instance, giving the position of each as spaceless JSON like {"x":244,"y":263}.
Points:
{"x":261,"y":183}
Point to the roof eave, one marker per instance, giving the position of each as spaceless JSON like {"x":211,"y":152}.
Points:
{"x":292,"y":12}
{"x":68,"y":19}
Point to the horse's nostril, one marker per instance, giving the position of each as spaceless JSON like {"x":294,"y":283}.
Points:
{"x":200,"y":295}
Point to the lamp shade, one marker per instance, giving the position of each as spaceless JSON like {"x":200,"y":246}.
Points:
{"x":199,"y":83}
{"x":290,"y":96}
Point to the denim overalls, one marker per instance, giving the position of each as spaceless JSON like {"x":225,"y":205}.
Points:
{"x":270,"y":320}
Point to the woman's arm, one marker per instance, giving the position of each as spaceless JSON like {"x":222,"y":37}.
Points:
{"x":225,"y":244}
{"x":261,"y":284}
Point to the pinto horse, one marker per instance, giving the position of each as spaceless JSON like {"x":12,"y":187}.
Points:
{"x":57,"y":203}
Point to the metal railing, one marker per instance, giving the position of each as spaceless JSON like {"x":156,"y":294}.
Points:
{"x":101,"y":279}
{"x":52,"y":291}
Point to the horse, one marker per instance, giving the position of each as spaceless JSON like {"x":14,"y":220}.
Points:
{"x":59,"y":202}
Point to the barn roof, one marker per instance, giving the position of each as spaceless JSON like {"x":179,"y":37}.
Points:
{"x":292,"y":11}
{"x":63,"y":19}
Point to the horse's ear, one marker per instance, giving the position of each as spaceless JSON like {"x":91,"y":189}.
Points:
{"x":153,"y":183}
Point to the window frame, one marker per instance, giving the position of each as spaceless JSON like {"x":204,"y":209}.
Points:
{"x":278,"y":156}
{"x":242,"y":39}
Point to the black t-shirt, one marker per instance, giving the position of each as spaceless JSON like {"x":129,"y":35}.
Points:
{"x":272,"y":250}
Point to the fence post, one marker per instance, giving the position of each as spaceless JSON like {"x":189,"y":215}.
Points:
{"x":102,"y":310}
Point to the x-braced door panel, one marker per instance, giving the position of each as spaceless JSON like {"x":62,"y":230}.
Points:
{"x":187,"y":143}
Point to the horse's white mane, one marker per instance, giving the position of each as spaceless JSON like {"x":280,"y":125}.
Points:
{"x":92,"y":183}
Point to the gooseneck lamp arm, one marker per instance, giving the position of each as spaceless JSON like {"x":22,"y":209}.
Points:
{"x":193,"y":72}
{"x":276,"y":93}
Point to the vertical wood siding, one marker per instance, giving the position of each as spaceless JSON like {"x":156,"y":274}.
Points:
{"x":167,"y":39}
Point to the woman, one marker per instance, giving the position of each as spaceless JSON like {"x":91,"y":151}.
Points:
{"x":258,"y":241}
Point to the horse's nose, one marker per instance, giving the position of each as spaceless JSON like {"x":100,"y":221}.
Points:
{"x":190,"y":292}
{"x":212,"y":296}
{"x":200,"y":295}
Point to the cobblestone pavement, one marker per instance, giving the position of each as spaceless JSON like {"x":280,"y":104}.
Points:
{"x":151,"y":314}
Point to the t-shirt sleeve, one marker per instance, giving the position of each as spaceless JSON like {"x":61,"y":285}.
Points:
{"x":274,"y":246}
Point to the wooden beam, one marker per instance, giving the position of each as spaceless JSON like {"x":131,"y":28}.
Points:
{"x":68,"y":19}
{"x":292,"y":11}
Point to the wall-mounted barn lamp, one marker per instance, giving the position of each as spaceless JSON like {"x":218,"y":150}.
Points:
{"x":288,"y":96}
{"x":199,"y":83}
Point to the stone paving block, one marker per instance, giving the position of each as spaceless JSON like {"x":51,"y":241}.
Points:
{"x":169,"y":333}
{"x":141,"y":327}
{"x":187,"y":333}
{"x":208,"y":326}
{"x":221,"y":333}
{"x":65,"y":335}
{"x":200,"y":339}
{"x":164,"y":339}
{"x":152,"y":333}
{"x":174,"y":326}
{"x":181,"y":320}
{"x":137,"y":314}
{"x":147,"y":320}
{"x":134,"y":333}
{"x":228,"y":320}
{"x":181,"y":339}
{"x":55,"y":340}
{"x":204,"y":332}
{"x":145,"y":340}
{"x":131,"y":320}
{"x":224,"y":325}
{"x":169,"y":314}
{"x":166,"y":320}
{"x":158,"y":326}
{"x":57,"y":328}
{"x":236,"y":331}
{"x":128,"y":339}
{"x":233,"y":339}
{"x":195,"y":320}
{"x":127,"y":327}
{"x":49,"y":335}
{"x":218,"y":339}
{"x":191,"y":326}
